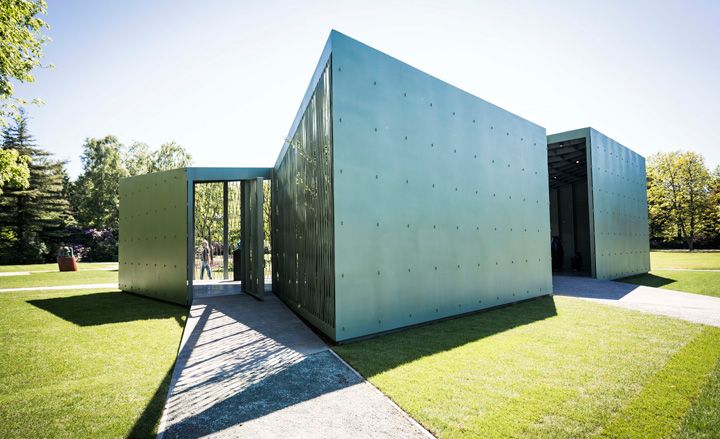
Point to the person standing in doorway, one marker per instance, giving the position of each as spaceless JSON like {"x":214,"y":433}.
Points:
{"x":206,"y":260}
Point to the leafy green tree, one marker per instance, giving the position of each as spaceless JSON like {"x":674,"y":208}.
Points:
{"x":713,"y":223}
{"x":95,"y":194}
{"x":678,"y":195}
{"x":32,"y":218}
{"x":20,"y":51}
{"x":14,"y":170}
{"x":267,"y":208}
{"x":170,"y":156}
{"x":209,"y":213}
{"x":139,"y":159}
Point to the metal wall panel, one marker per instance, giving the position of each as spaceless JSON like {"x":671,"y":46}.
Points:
{"x":302,"y":215}
{"x":153,"y":235}
{"x":619,"y":208}
{"x":253,"y":237}
{"x":441,"y":199}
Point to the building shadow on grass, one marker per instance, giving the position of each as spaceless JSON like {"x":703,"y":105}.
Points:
{"x":649,"y":280}
{"x":387,"y":352}
{"x":108,"y":307}
{"x":146,"y":424}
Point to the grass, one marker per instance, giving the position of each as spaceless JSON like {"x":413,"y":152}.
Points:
{"x":698,"y":282}
{"x":702,"y":420}
{"x":551,"y":367}
{"x":88,"y":363}
{"x":59,"y":278}
{"x":54,"y":266}
{"x":697,"y":260}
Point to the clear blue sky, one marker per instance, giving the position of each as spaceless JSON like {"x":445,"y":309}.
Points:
{"x":225,"y":78}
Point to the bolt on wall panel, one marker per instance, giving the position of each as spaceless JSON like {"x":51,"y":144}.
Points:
{"x":619,"y":209}
{"x":153,"y":235}
{"x":441,"y":198}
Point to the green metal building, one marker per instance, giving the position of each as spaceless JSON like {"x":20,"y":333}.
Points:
{"x":157,"y":230}
{"x":598,"y":203}
{"x":399,"y":199}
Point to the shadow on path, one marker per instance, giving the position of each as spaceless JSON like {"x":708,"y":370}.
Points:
{"x":313,"y":376}
{"x":252,"y":368}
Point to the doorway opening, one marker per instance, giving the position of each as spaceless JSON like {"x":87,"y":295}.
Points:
{"x":230,"y":244}
{"x":571,"y":238}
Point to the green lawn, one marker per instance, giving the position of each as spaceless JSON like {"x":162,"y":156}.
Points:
{"x":54,"y":266}
{"x":88,"y":363}
{"x":697,"y":260}
{"x":551,"y":367}
{"x":698,"y":282}
{"x":59,"y":278}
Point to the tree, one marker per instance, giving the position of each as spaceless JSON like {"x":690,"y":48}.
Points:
{"x":209,"y":212}
{"x":14,"y":170}
{"x":678,"y":194}
{"x":20,"y":51}
{"x":713,"y":223}
{"x":170,"y":156}
{"x":139,"y":159}
{"x":32,"y":218}
{"x":95,"y":194}
{"x":267,"y":208}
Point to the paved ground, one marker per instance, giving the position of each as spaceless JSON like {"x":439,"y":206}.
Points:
{"x":62,"y":287}
{"x":692,"y":307}
{"x":252,"y":369}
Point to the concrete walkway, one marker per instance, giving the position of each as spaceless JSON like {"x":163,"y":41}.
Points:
{"x":248,"y":368}
{"x":686,"y":306}
{"x":62,"y":287}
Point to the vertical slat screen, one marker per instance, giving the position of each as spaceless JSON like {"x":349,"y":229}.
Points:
{"x":302,"y":213}
{"x":253,"y":238}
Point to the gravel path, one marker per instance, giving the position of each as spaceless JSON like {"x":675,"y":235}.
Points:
{"x":248,"y":368}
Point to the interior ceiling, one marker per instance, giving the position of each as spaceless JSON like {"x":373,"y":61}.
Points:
{"x":567,"y":162}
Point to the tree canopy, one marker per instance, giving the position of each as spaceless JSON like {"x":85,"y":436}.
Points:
{"x":14,"y":169}
{"x":33,"y":216}
{"x":21,"y":49}
{"x":139,"y":159}
{"x":95,"y":194}
{"x":679,"y":195}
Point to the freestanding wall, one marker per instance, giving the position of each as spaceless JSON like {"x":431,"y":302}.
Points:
{"x":620,"y":212}
{"x":617,"y":205}
{"x":153,"y":235}
{"x":156,"y":230}
{"x":437,"y":199}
